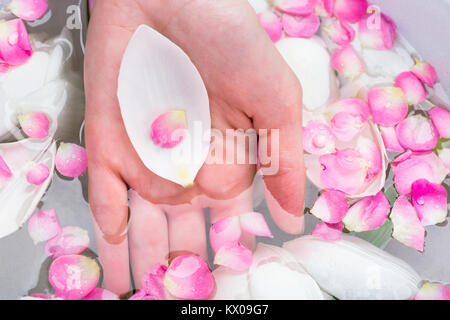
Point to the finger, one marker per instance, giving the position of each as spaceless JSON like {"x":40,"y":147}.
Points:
{"x":109,"y":206}
{"x":186,"y":230}
{"x":147,"y":236}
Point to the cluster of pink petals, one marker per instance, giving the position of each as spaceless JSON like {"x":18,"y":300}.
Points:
{"x":347,"y":62}
{"x":34,"y":124}
{"x":339,"y":31}
{"x":318,"y":138}
{"x":412,"y":87}
{"x":433,"y":291}
{"x":417,"y":133}
{"x":28,"y":9}
{"x":37,"y":173}
{"x":425,"y":72}
{"x":15,"y":48}
{"x":71,"y":160}
{"x":152,"y":284}
{"x":329,"y":232}
{"x":5,"y":173}
{"x":441,"y":121}
{"x":377,"y":31}
{"x":388,"y":105}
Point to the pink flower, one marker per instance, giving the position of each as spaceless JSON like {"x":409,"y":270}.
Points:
{"x":441,"y":120}
{"x":300,"y":26}
{"x":15,"y":48}
{"x":430,"y":202}
{"x":330,"y":207}
{"x":350,"y":10}
{"x":347,"y":62}
{"x":376,"y":32}
{"x":388,"y":105}
{"x":412,"y":88}
{"x":417,"y":133}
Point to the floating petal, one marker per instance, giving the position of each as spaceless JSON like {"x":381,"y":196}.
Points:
{"x":254,"y":223}
{"x":425,"y":72}
{"x":71,"y":240}
{"x":318,"y":138}
{"x":350,"y":10}
{"x":441,"y":120}
{"x":188,"y":277}
{"x":330,"y":207}
{"x":413,"y":89}
{"x":368,"y":214}
{"x":329,"y":232}
{"x":417,"y":133}
{"x":34,"y":124}
{"x":101,"y":294}
{"x":71,"y":160}
{"x":339,"y":31}
{"x":430,"y":202}
{"x":15,"y":48}
{"x":272,"y":24}
{"x":388,"y":105}
{"x":390,"y":139}
{"x":73,"y":277}
{"x":224,"y":232}
{"x":38,"y":173}
{"x":295,"y":7}
{"x":347,"y":62}
{"x":300,"y":27}
{"x":377,"y":32}
{"x":5,"y":173}
{"x":234,"y":256}
{"x":28,"y":9}
{"x":169,"y":129}
{"x":407,"y":227}
{"x":44,"y":226}
{"x":433,"y":291}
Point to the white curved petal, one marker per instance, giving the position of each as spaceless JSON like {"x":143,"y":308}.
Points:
{"x":230,"y":284}
{"x":19,"y":198}
{"x":156,"y":76}
{"x":352,"y":268}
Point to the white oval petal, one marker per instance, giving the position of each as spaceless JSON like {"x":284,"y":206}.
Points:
{"x":156,"y":76}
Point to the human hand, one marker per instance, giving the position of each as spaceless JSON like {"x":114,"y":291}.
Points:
{"x":249,"y":86}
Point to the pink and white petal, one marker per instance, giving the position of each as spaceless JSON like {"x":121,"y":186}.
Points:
{"x":254,"y":223}
{"x":390,"y":139}
{"x":188,"y":277}
{"x":388,"y":105}
{"x":272,"y":24}
{"x":430,"y":201}
{"x":324,"y":8}
{"x":440,"y":172}
{"x":318,"y":138}
{"x":329,"y":232}
{"x":409,"y":171}
{"x":28,"y":9}
{"x":417,"y":133}
{"x":152,"y":284}
{"x":5,"y":173}
{"x":74,"y":276}
{"x":235,"y":256}
{"x":441,"y":120}
{"x":37,"y":173}
{"x":71,"y":240}
{"x":371,"y":154}
{"x":330,"y":207}
{"x":101,"y":294}
{"x":71,"y":160}
{"x":15,"y":48}
{"x":340,"y":32}
{"x":370,"y":213}
{"x":407,"y":227}
{"x":225,"y":231}
{"x":295,"y":7}
{"x":34,"y":124}
{"x":444,"y":155}
{"x":354,"y":106}
{"x":347,"y":62}
{"x":350,"y":10}
{"x":169,"y":129}
{"x":43,"y":226}
{"x":412,"y":87}
{"x":377,"y":32}
{"x":300,"y":27}
{"x":425,"y":72}
{"x":346,"y":126}
{"x":433,"y":291}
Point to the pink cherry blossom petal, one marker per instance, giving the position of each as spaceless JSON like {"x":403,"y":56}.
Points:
{"x":433,"y":291}
{"x":188,"y":277}
{"x":430,"y":202}
{"x":28,"y":9}
{"x":340,"y":32}
{"x":318,"y":138}
{"x":234,"y":256}
{"x":295,"y":7}
{"x":324,"y":8}
{"x":73,"y":277}
{"x":34,"y":124}
{"x":350,"y":10}
{"x":417,"y":133}
{"x":329,"y":232}
{"x":254,"y":223}
{"x":377,"y":32}
{"x":272,"y":24}
{"x":388,"y":105}
{"x":169,"y":129}
{"x":101,"y":294}
{"x":37,"y":174}
{"x":441,"y":120}
{"x":152,"y":284}
{"x":225,"y":231}
{"x":330,"y":207}
{"x":44,"y":226}
{"x":425,"y":72}
{"x":71,"y":160}
{"x":71,"y":240}
{"x":444,"y":155}
{"x":390,"y":139}
{"x":5,"y":173}
{"x":407,"y":227}
{"x":412,"y":87}
{"x":15,"y":48}
{"x":347,"y":62}
{"x":370,"y":213}
{"x":300,"y":27}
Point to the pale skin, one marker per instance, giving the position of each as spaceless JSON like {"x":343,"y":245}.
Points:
{"x":249,"y":86}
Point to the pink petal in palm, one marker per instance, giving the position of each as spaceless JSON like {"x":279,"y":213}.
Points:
{"x":15,"y":48}
{"x":407,"y":227}
{"x":388,"y":105}
{"x":71,"y":240}
{"x":254,"y":223}
{"x":433,"y":291}
{"x":44,"y":226}
{"x":412,"y":87}
{"x":417,"y":133}
{"x":370,"y":213}
{"x":225,"y":231}
{"x":340,"y":32}
{"x":169,"y":129}
{"x":73,"y":277}
{"x":300,"y":27}
{"x":234,"y":256}
{"x":188,"y":277}
{"x":5,"y":173}
{"x":377,"y":32}
{"x":330,"y":207}
{"x":37,"y":173}
{"x":430,"y":201}
{"x":28,"y":9}
{"x":390,"y":139}
{"x":34,"y":124}
{"x":101,"y":294}
{"x":324,"y":8}
{"x":441,"y":120}
{"x":272,"y":24}
{"x":318,"y":138}
{"x":350,"y":10}
{"x":347,"y":62}
{"x":329,"y":232}
{"x":295,"y":7}
{"x":425,"y":72}
{"x":71,"y":160}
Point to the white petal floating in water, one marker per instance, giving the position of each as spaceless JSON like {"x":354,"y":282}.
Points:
{"x":19,"y":198}
{"x":156,"y":77}
{"x":44,"y":225}
{"x":353,"y":269}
